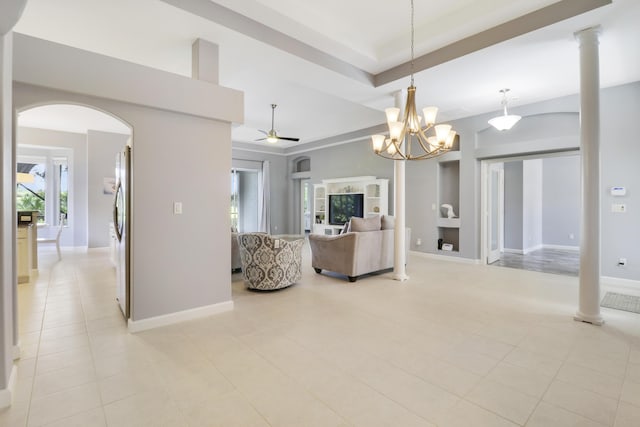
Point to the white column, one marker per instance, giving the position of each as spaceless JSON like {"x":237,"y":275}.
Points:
{"x":399,"y":260}
{"x":589,"y":291}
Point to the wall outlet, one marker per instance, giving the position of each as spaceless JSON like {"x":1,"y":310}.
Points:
{"x":418,"y":241}
{"x":571,"y":236}
{"x":618,"y":208}
{"x":622,"y":262}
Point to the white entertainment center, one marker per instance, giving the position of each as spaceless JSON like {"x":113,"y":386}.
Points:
{"x":375,"y":199}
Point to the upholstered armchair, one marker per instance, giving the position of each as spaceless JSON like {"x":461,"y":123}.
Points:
{"x":270,"y":262}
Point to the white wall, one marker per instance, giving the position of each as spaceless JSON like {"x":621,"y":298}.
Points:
{"x":101,"y":154}
{"x":532,"y":204}
{"x":513,"y":205}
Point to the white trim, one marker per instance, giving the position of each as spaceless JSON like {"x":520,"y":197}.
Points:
{"x":6,"y":394}
{"x":16,"y":351}
{"x":625,"y":285}
{"x":179,"y":316}
{"x":532,"y":249}
{"x":440,"y":257}
{"x":562,"y":247}
{"x":513,"y":251}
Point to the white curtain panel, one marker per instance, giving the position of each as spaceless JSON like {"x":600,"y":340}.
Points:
{"x":264,"y":200}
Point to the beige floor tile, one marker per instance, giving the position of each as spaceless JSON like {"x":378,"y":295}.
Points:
{"x":525,"y":380}
{"x":582,"y":402}
{"x":153,"y":408}
{"x":532,"y":360}
{"x":504,"y":401}
{"x":466,"y":414}
{"x":591,"y":380}
{"x":631,"y":392}
{"x":326,"y":352}
{"x":63,"y":359}
{"x":54,"y":407}
{"x":91,"y":418}
{"x":547,"y":415}
{"x":61,"y":379}
{"x":230,"y":410}
{"x":628,"y":415}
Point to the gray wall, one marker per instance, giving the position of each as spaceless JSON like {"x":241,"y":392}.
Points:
{"x":532,"y":204}
{"x":619,"y":157}
{"x":561,"y":201}
{"x":513,"y":205}
{"x":44,"y":142}
{"x":550,"y":126}
{"x":279,"y":185}
{"x":101,"y":154}
{"x":174,"y":145}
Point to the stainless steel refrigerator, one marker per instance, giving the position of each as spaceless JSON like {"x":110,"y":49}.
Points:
{"x":122,"y":228}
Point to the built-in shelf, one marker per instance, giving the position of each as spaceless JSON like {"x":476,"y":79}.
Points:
{"x":449,"y":222}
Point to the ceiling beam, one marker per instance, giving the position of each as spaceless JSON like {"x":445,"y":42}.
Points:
{"x":532,"y":21}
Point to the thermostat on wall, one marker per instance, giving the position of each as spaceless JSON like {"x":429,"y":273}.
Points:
{"x":618,"y":191}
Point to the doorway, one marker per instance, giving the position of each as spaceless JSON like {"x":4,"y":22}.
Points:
{"x":531,"y":207}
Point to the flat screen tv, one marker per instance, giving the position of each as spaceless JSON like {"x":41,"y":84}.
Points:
{"x":343,"y":206}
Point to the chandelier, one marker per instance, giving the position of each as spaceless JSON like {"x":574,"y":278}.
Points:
{"x":506,"y":121}
{"x":407,"y":139}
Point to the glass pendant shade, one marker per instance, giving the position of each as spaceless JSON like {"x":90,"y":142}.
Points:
{"x":504,"y":122}
{"x":378,"y":142}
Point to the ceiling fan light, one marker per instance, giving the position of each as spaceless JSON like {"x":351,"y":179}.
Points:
{"x":504,"y":122}
{"x":272,"y":139}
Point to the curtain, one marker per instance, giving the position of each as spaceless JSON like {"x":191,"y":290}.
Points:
{"x":264,"y":200}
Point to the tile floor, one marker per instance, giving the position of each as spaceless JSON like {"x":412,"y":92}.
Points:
{"x":546,"y":260}
{"x":456,"y":345}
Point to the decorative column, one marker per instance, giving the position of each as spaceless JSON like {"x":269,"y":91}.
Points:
{"x":589,"y":291}
{"x":399,"y":243}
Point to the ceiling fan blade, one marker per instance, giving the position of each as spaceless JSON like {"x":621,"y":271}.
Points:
{"x":288,"y":139}
{"x":261,"y":139}
{"x":263,"y":131}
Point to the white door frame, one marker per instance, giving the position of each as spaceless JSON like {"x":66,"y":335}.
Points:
{"x":493,"y":255}
{"x":485,"y":170}
{"x":304,"y":181}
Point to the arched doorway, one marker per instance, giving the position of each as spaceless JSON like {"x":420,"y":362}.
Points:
{"x":68,"y":154}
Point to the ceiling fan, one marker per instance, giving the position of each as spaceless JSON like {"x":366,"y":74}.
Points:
{"x":272,"y":136}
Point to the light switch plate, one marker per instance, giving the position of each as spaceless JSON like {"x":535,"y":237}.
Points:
{"x":618,"y":208}
{"x":177,"y":208}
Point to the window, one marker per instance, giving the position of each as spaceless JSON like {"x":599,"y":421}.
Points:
{"x":244,"y":200}
{"x":43,"y":186}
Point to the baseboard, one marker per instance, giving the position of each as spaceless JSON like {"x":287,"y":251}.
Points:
{"x":180,"y":316}
{"x":513,"y":251}
{"x":6,"y":394}
{"x":532,"y":249}
{"x":624,"y":285}
{"x":439,"y":257}
{"x":562,"y":247}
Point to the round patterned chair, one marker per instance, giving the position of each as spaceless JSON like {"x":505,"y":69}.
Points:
{"x":269,"y":262}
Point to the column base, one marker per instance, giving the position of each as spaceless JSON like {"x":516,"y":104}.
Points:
{"x":594,"y":320}
{"x":401,"y":277}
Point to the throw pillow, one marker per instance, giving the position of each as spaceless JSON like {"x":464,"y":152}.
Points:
{"x":365,"y":224}
{"x":388,"y":222}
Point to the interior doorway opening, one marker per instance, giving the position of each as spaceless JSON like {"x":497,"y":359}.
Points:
{"x":531,"y":208}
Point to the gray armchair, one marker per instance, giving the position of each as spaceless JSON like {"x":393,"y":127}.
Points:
{"x":269,"y":262}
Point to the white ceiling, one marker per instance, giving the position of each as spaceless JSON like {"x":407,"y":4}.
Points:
{"x":299,"y":54}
